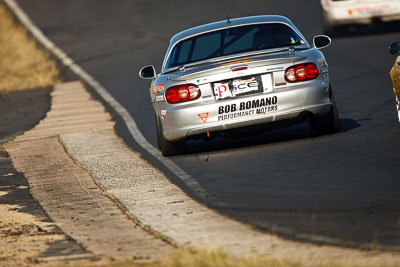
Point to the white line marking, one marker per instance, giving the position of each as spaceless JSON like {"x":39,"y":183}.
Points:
{"x":127,"y":118}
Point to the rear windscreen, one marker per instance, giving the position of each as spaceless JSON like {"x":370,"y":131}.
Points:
{"x":231,"y":41}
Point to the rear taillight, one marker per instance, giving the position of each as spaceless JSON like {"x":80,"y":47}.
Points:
{"x":302,"y":72}
{"x":182,"y":93}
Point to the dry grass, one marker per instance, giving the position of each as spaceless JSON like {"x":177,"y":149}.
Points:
{"x":194,"y":258}
{"x":215,"y":258}
{"x":184,"y":257}
{"x":22,"y":64}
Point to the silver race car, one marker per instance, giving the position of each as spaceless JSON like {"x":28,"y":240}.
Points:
{"x":239,"y":75}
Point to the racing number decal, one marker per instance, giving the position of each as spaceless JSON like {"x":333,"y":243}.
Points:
{"x":222,"y":89}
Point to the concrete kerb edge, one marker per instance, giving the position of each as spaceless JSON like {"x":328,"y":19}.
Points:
{"x":113,"y":200}
{"x":117,"y":202}
{"x":89,"y":255}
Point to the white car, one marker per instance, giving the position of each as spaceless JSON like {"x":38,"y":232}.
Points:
{"x":344,"y":12}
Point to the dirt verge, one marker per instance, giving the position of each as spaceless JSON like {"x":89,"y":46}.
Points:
{"x":27,"y":235}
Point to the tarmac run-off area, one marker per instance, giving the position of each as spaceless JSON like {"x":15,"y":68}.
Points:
{"x":108,"y":202}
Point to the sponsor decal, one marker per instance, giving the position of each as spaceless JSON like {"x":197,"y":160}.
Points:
{"x":245,"y":85}
{"x":274,"y":69}
{"x":369,"y":10}
{"x":248,"y":108}
{"x":159,"y":87}
{"x":159,"y":98}
{"x":280,"y":84}
{"x":266,"y":109}
{"x":203,"y":116}
{"x":251,"y":104}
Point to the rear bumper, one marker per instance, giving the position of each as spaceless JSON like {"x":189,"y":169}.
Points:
{"x":337,"y":16}
{"x":266,"y":122}
{"x":188,"y":120}
{"x":362,"y":21}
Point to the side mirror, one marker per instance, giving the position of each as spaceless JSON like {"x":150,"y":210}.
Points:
{"x":321,"y":41}
{"x":147,"y":72}
{"x":394,"y":48}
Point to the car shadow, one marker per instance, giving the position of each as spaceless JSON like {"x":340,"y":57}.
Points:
{"x":376,"y":28}
{"x":350,"y":124}
{"x":296,"y":132}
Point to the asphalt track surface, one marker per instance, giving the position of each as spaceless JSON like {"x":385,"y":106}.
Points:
{"x":341,"y":189}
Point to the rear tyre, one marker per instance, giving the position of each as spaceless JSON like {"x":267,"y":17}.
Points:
{"x":168,"y":148}
{"x":329,"y":123}
{"x":158,"y":131}
{"x":398,"y":108}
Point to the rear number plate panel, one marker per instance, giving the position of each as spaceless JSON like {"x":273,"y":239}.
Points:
{"x":239,"y":87}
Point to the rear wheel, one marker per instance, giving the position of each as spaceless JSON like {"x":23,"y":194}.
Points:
{"x":398,"y":108}
{"x":329,"y":123}
{"x":168,"y":148}
{"x":158,"y":132}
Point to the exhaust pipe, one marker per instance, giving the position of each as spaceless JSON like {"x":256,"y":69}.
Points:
{"x":207,"y":137}
{"x":305,"y":116}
